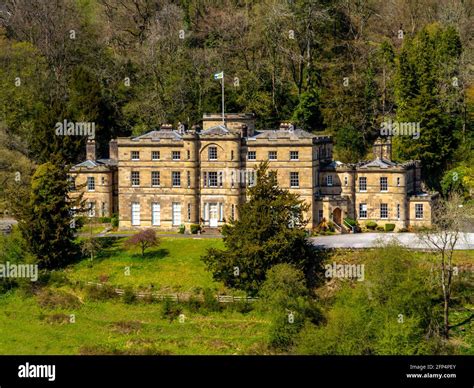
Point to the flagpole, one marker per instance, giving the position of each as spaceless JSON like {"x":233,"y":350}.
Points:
{"x":222,"y":81}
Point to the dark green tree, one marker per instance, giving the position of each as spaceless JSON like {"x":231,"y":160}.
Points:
{"x":350,"y":143}
{"x":285,"y":296}
{"x":45,"y":221}
{"x":307,"y":114}
{"x":269,"y":231}
{"x":421,"y":78}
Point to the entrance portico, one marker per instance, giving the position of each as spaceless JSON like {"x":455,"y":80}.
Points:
{"x":212,"y":211}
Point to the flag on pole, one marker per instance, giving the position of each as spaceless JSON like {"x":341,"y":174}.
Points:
{"x":219,"y":75}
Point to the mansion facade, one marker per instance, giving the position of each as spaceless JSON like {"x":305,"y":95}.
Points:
{"x":172,"y":176}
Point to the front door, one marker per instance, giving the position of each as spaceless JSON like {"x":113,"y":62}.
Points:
{"x":213,"y":215}
{"x":337,"y":215}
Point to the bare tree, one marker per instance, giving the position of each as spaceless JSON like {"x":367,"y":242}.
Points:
{"x":451,"y":218}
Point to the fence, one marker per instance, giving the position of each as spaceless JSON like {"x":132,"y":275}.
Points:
{"x":180,"y":297}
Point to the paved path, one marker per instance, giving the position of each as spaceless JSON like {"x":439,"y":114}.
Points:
{"x":177,"y":235}
{"x":368,"y":240}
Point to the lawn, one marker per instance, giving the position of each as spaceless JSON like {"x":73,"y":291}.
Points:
{"x":174,"y":266}
{"x":112,"y":327}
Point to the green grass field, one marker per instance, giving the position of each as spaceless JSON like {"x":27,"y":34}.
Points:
{"x":173,"y":266}
{"x":114,"y":327}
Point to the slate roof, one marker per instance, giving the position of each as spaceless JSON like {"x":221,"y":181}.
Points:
{"x":96,"y":163}
{"x":160,"y":134}
{"x":378,"y":163}
{"x":275,"y":134}
{"x":217,"y":130}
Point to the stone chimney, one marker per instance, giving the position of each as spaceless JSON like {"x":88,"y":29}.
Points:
{"x":113,"y":149}
{"x":382,"y":148}
{"x":181,"y":128}
{"x":91,"y":150}
{"x":166,"y":127}
{"x":244,"y":130}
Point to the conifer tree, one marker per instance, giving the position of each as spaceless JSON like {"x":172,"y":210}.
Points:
{"x":420,"y":81}
{"x":269,"y":231}
{"x":45,"y":221}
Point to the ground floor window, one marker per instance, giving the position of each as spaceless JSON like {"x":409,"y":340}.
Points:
{"x":156,"y":214}
{"x":233,"y":211}
{"x":362,"y":210}
{"x":419,"y":211}
{"x":91,"y":209}
{"x":398,"y":211}
{"x":135,"y":213}
{"x":189,"y":212}
{"x":383,"y":210}
{"x":176,"y":208}
{"x":320,"y":215}
{"x":221,"y":212}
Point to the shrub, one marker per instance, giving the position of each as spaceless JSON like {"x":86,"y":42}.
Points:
{"x":331,"y":226}
{"x":105,"y":220}
{"x":148,"y":298}
{"x":58,"y":319}
{"x":210,"y":301}
{"x":58,"y":278}
{"x":128,"y":296}
{"x":371,"y":225}
{"x":195,"y":228}
{"x":389,"y":227}
{"x":182,"y":229}
{"x":114,"y":221}
{"x":285,"y":294}
{"x":100,"y":293}
{"x":170,"y":310}
{"x":380,"y":228}
{"x":242,"y":307}
{"x":194,"y":304}
{"x":57,"y":299}
{"x":350,"y":221}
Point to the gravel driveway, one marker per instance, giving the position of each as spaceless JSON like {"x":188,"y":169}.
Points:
{"x":368,"y":240}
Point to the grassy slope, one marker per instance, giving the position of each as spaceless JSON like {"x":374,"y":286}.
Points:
{"x":96,"y":330}
{"x":174,"y":265}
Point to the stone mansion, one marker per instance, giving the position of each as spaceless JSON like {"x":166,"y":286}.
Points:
{"x":171,"y":177}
